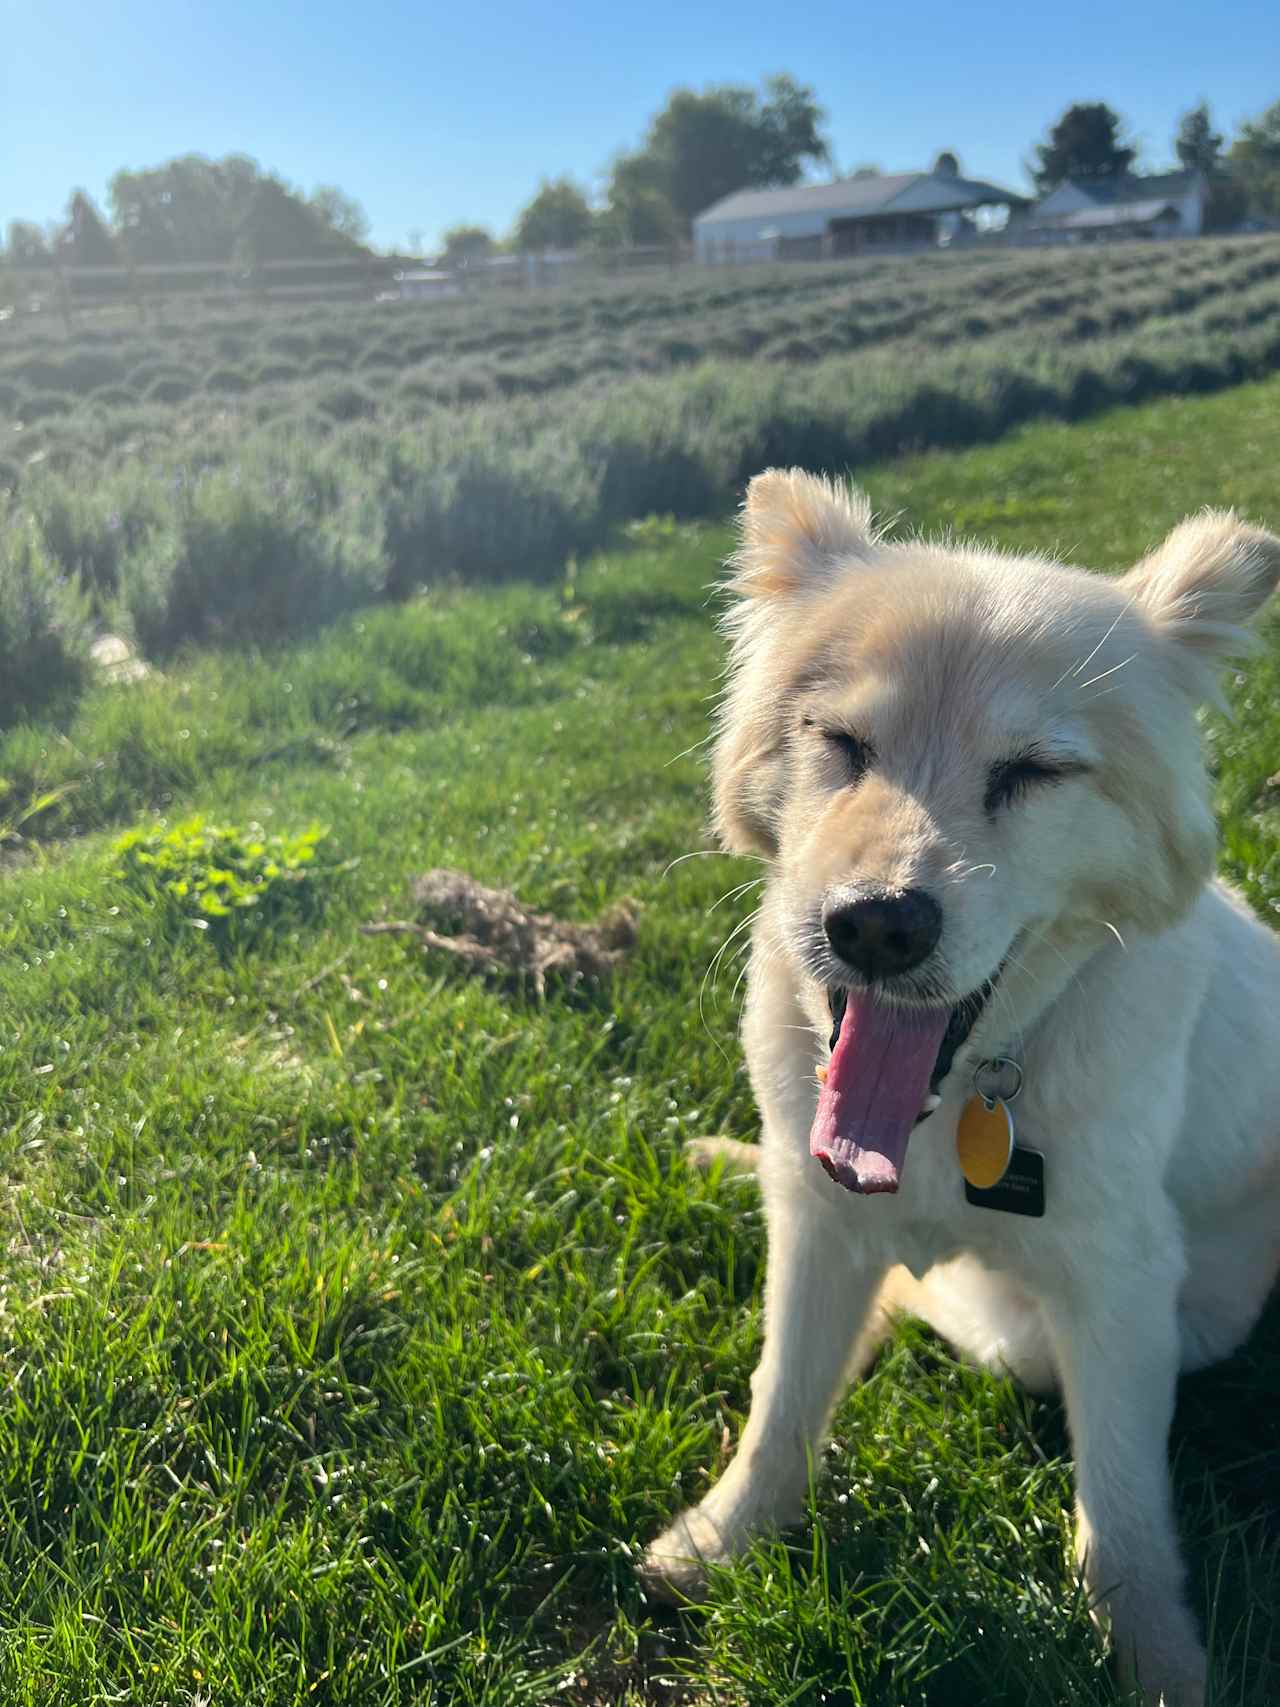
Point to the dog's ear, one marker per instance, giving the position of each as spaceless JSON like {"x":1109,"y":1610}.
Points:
{"x":1206,"y":582}
{"x":796,"y":530}
{"x":796,"y":533}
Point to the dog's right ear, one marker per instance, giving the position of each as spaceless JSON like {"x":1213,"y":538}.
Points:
{"x":796,"y":531}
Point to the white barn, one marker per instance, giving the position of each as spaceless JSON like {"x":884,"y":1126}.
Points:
{"x":876,"y":211}
{"x":1171,"y":205}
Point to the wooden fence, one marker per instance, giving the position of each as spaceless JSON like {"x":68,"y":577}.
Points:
{"x":70,"y":290}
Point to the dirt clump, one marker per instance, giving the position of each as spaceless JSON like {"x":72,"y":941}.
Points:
{"x":492,"y":932}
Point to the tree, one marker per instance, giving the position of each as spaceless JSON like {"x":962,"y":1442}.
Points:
{"x":85,"y":241}
{"x":465,"y":244}
{"x":1198,"y":147}
{"x":558,"y":217}
{"x":789,"y":133}
{"x":1255,"y":162}
{"x":188,"y":209}
{"x":1085,"y":143}
{"x":277,"y":225}
{"x":26,"y":246}
{"x":193,"y":209}
{"x":1226,"y":204}
{"x":947,"y":165}
{"x":638,"y":214}
{"x":702,"y":147}
{"x":340,"y":212}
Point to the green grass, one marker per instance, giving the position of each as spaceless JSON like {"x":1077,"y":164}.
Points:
{"x":360,"y":1321}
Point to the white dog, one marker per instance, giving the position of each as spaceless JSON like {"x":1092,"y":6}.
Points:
{"x":978,"y":784}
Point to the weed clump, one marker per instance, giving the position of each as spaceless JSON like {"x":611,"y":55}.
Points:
{"x":214,"y":876}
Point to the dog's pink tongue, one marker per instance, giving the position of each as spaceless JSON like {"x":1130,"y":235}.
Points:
{"x":877,"y":1080}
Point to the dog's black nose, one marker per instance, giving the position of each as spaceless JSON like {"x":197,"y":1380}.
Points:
{"x":882,"y":935}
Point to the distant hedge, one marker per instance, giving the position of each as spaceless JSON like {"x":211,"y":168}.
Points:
{"x":395,"y":359}
{"x":275,"y":531}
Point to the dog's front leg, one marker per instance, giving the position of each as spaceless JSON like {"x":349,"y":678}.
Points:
{"x":1114,"y":1332}
{"x":818,"y":1298}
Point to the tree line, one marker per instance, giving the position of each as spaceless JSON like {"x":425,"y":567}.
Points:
{"x":702,"y":146}
{"x":699,"y":147}
{"x":194,"y":210}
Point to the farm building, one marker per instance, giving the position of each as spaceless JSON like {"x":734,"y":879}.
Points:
{"x":1171,"y":205}
{"x":424,"y":282}
{"x":899,"y":210}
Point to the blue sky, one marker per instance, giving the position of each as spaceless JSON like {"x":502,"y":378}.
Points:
{"x":432,"y":114}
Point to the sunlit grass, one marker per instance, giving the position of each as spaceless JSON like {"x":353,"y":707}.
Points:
{"x":360,"y":1321}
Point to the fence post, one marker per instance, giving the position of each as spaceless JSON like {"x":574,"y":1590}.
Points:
{"x":64,"y":296}
{"x":136,"y":292}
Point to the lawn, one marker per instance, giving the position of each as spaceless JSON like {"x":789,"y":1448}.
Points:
{"x":361,"y":1320}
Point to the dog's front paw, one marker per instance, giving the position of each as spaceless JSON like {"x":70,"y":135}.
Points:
{"x":738,"y":1158}
{"x":1188,"y":1691}
{"x":1185,"y":1688}
{"x":1167,"y":1669}
{"x":674,"y":1568}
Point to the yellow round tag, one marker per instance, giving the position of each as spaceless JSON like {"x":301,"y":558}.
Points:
{"x":984,"y":1142}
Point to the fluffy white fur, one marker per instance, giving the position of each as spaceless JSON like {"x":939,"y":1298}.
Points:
{"x":1139,"y":996}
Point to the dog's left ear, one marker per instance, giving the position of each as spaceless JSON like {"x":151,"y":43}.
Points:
{"x":1206,"y":582}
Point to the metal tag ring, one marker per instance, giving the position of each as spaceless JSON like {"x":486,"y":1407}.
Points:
{"x":990,"y":1079}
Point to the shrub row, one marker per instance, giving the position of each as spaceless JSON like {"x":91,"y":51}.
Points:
{"x":1248,"y":294}
{"x":277,"y":533}
{"x":471,"y":351}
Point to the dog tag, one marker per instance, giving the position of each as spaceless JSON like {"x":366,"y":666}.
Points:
{"x":1021,"y":1189}
{"x":984,"y":1141}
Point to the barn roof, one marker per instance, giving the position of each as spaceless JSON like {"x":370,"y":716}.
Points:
{"x":1119,"y":213}
{"x":1107,"y":192}
{"x":860,"y":198}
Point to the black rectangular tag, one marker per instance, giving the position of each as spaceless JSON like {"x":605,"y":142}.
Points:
{"x":1020,"y":1192}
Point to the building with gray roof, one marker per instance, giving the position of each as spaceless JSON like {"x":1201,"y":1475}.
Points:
{"x":1168,"y":204}
{"x":871,"y":211}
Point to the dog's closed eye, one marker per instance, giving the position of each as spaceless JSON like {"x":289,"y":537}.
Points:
{"x":1012,"y":778}
{"x":857,"y":753}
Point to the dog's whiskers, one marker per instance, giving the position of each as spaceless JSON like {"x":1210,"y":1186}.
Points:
{"x":689,"y":751}
{"x":1075,"y":669}
{"x":962,"y":876}
{"x":732,"y":894}
{"x":705,"y":853}
{"x":1073,"y":971}
{"x":1104,"y":673}
{"x":710,"y":975}
{"x":737,"y":983}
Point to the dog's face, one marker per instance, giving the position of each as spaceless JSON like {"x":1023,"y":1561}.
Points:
{"x":951,"y":756}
